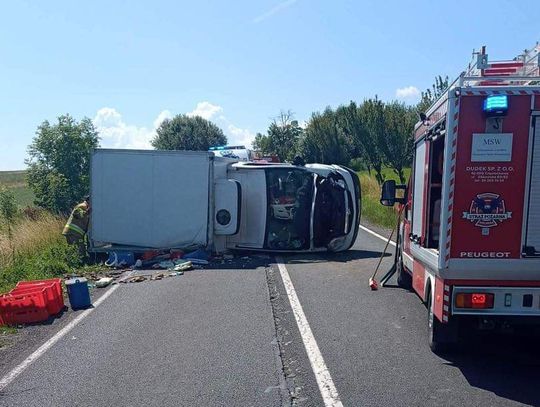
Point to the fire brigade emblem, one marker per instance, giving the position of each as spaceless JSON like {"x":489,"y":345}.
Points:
{"x":487,"y":210}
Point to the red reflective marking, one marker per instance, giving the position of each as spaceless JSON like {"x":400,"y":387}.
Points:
{"x":510,"y":64}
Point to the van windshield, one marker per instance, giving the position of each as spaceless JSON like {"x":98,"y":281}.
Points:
{"x":290,"y":196}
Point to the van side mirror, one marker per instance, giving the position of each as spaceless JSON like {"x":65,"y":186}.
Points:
{"x":388,"y":194}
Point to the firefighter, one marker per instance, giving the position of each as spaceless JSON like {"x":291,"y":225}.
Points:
{"x":77,"y":225}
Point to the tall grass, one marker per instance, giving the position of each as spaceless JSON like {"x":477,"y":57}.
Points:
{"x":37,"y":250}
{"x":372,"y":210}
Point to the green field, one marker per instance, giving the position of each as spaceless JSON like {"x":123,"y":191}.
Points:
{"x":15,"y":181}
{"x":372,"y":210}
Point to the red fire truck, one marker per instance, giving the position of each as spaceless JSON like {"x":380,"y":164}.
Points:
{"x":469,"y":238}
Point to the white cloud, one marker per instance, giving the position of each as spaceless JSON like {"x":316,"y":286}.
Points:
{"x":408,"y":93}
{"x":235,"y":135}
{"x":274,"y":10}
{"x":107,"y":117}
{"x":238,"y":136}
{"x":206,"y":110}
{"x":165,"y":114}
{"x":115,"y":133}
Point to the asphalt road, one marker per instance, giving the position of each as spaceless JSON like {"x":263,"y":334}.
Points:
{"x":228,"y":337}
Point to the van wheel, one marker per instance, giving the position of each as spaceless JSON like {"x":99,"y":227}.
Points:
{"x":442,"y":338}
{"x":404,"y":279}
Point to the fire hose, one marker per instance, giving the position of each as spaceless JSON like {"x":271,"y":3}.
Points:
{"x":372,"y":282}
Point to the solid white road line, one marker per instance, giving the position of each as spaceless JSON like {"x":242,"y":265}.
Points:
{"x":376,"y":235}
{"x":322,"y":374}
{"x":7,"y":379}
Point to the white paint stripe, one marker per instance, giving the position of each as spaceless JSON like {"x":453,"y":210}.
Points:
{"x":7,"y":379}
{"x":322,"y":374}
{"x":377,"y":235}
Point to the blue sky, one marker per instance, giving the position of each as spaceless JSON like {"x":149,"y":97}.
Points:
{"x":127,"y":65}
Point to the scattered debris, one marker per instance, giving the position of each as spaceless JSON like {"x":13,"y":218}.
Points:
{"x":104,"y":282}
{"x":135,"y":279}
{"x":187,"y":265}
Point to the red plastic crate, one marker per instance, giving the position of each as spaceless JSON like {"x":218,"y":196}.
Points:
{"x":53,"y":304}
{"x":31,"y":301}
{"x":56,"y":281}
{"x":24,"y":308}
{"x":23,"y":315}
{"x":55,"y":295}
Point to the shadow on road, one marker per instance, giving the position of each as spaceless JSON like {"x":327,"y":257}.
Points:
{"x":507,"y":365}
{"x":343,"y":257}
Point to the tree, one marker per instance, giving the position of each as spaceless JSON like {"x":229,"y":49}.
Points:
{"x":263,"y":144}
{"x":281,"y":138}
{"x":365,"y":126}
{"x":8,"y":212}
{"x":431,"y":95}
{"x":397,"y":141}
{"x":59,"y":162}
{"x":184,"y":132}
{"x":324,"y":140}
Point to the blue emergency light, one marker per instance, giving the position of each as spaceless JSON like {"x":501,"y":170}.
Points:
{"x":496,"y":105}
{"x":217,"y":148}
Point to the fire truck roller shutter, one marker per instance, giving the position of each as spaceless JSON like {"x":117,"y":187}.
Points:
{"x":418,"y":189}
{"x":533,"y":221}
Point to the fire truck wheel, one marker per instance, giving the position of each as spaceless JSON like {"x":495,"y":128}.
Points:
{"x":441,"y":337}
{"x":404,"y":279}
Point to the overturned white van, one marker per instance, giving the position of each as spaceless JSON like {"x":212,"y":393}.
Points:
{"x":148,"y":199}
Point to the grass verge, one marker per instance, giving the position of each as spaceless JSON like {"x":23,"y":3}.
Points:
{"x":36,"y":251}
{"x":372,"y":210}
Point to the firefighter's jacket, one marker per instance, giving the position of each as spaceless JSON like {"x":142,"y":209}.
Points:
{"x":77,"y":224}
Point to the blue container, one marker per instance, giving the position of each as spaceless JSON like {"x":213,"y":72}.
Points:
{"x":78,"y":293}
